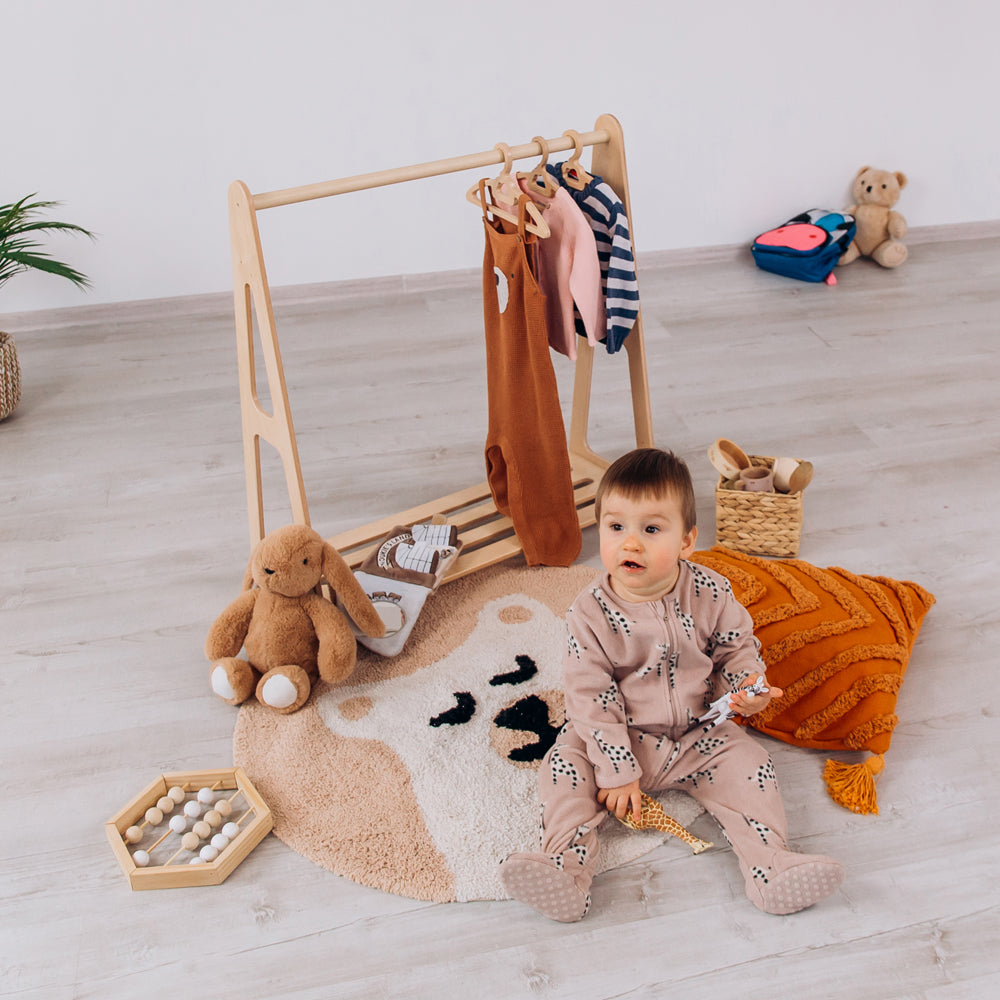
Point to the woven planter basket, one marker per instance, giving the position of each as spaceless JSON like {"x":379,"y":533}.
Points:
{"x":758,"y":523}
{"x":10,"y":376}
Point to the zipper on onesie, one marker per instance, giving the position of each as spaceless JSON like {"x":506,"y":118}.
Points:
{"x":670,"y":635}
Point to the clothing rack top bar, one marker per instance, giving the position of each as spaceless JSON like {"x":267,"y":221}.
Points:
{"x":382,"y":178}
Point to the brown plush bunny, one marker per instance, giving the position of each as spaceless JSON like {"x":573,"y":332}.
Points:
{"x":290,"y":631}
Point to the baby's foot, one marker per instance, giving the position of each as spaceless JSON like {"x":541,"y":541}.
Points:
{"x":539,"y":881}
{"x":795,"y":882}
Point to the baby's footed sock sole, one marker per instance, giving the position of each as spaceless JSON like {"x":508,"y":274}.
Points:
{"x":537,"y":881}
{"x":805,"y":881}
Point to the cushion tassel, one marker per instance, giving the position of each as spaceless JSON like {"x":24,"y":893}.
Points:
{"x":853,"y":785}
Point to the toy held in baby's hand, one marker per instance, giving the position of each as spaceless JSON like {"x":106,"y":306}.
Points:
{"x":653,"y":817}
{"x":721,"y":709}
{"x":879,"y":228}
{"x":290,"y":631}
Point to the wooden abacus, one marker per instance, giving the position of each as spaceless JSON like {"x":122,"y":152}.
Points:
{"x":204,"y":854}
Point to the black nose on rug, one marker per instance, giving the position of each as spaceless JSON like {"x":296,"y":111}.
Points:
{"x":528,"y":715}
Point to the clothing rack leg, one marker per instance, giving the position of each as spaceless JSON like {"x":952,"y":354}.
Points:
{"x":251,"y":294}
{"x":608,"y":162}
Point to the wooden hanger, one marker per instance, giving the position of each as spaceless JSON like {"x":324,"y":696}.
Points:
{"x":573,"y":173}
{"x":539,"y":181}
{"x":504,"y":188}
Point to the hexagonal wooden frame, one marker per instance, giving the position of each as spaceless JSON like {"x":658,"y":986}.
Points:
{"x":186,"y":875}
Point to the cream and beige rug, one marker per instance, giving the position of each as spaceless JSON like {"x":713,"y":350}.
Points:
{"x":417,"y":776}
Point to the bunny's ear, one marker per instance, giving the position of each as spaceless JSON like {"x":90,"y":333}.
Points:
{"x":248,"y":575}
{"x":350,"y":594}
{"x":336,"y":572}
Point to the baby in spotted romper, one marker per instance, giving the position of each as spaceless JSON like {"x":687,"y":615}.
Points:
{"x":650,"y":645}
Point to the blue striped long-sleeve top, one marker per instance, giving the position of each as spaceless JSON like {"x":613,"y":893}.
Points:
{"x":607,"y":218}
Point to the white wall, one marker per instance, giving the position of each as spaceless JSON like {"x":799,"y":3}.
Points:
{"x":137,"y":116}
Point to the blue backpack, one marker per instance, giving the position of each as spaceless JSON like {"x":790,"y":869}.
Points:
{"x":806,"y":247}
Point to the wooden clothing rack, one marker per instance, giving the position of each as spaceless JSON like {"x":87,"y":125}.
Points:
{"x":487,"y":536}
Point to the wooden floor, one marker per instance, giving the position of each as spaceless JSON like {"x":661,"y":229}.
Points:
{"x":124,"y":532}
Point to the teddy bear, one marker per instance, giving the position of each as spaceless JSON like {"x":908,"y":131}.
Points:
{"x":290,"y":631}
{"x":880,"y":229}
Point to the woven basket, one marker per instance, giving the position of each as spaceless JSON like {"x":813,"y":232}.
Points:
{"x":10,"y":376}
{"x":762,"y":524}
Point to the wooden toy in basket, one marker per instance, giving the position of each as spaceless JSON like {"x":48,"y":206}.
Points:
{"x":765,"y":522}
{"x":189,"y":828}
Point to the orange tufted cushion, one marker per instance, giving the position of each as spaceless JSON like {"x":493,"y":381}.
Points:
{"x":836,"y":642}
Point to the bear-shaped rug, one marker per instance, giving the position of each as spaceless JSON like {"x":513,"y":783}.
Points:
{"x":418,"y":776}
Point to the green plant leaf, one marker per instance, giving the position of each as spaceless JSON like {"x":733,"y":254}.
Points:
{"x":42,"y":262}
{"x":21,"y":252}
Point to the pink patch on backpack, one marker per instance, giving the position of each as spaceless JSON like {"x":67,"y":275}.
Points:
{"x":798,"y":236}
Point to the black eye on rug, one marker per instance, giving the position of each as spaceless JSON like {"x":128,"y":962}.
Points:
{"x":529,"y":715}
{"x":464,"y":710}
{"x":526,"y":669}
{"x":465,"y":707}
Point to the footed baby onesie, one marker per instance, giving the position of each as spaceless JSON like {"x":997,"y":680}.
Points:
{"x":638,"y":677}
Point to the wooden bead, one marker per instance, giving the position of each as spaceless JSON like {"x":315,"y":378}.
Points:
{"x":176,"y":793}
{"x":165,"y":804}
{"x":178,"y":824}
{"x":223,"y":807}
{"x":231,"y":830}
{"x":192,"y":809}
{"x":141,"y":858}
{"x":213,"y":817}
{"x":154,"y":816}
{"x":190,"y":841}
{"x":202,"y":829}
{"x":220,"y":841}
{"x":205,"y":795}
{"x":209,"y":853}
{"x":133,"y":834}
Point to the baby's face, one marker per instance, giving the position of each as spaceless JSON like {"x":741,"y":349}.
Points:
{"x":641,"y":544}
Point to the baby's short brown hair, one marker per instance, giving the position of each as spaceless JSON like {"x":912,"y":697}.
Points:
{"x":650,"y":472}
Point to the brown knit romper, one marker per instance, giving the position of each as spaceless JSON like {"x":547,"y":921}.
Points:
{"x":527,"y":464}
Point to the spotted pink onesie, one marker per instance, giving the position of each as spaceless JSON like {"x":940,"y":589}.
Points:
{"x":637,"y":677}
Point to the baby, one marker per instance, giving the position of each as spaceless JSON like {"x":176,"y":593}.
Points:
{"x":650,"y":646}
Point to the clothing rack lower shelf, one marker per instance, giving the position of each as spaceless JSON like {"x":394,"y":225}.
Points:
{"x":487,"y":536}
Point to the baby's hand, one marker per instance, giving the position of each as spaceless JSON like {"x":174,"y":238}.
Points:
{"x":619,"y":800}
{"x":745,"y":704}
